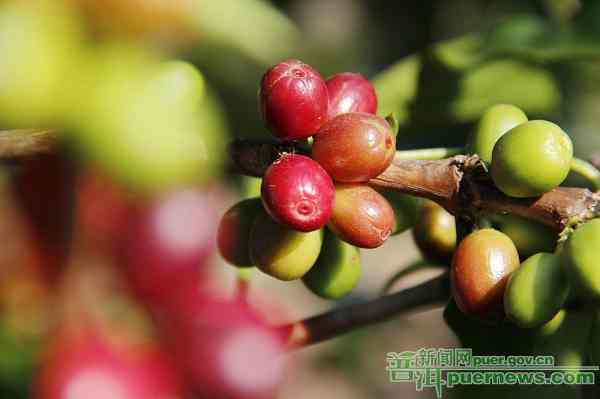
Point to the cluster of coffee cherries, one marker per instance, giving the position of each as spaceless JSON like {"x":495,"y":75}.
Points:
{"x":512,"y":270}
{"x":315,"y":211}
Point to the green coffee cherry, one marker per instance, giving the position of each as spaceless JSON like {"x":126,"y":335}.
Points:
{"x":435,"y":232}
{"x":529,"y":237}
{"x":494,"y":122}
{"x":580,"y":258}
{"x":536,"y":291}
{"x":531,"y":159}
{"x":281,"y":252}
{"x":234,"y":232}
{"x":337,"y":269}
{"x":565,"y":337}
{"x":405,"y":209}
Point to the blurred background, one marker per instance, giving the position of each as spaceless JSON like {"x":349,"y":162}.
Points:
{"x":146,"y":95}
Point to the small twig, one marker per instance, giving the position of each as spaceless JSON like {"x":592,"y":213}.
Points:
{"x":20,"y":144}
{"x":457,"y":183}
{"x":340,"y":321}
{"x":437,"y":180}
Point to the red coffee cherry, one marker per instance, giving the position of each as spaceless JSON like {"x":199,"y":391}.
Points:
{"x":361,"y":216}
{"x":225,"y":348}
{"x":297,"y":192}
{"x":350,"y":92}
{"x":82,"y":362}
{"x":293,"y":100}
{"x":168,"y":242}
{"x":481,"y":266}
{"x":354,"y":147}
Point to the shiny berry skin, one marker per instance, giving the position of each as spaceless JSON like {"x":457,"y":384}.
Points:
{"x":361,"y":216}
{"x":298,"y":193}
{"x":481,"y":266}
{"x":354,"y":147}
{"x":531,"y":159}
{"x":169,"y":241}
{"x":350,"y":92}
{"x":293,"y":100}
{"x":234,"y":232}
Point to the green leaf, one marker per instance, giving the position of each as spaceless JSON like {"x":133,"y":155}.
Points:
{"x":241,"y":26}
{"x":536,"y":39}
{"x":454,"y":83}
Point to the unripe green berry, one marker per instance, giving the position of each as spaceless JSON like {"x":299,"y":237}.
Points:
{"x":494,"y":122}
{"x":281,"y":252}
{"x":536,"y":291}
{"x":580,"y":258}
{"x":531,"y":159}
{"x":528,"y":236}
{"x":337,"y":269}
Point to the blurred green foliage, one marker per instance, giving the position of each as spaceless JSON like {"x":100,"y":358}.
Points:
{"x":436,"y":64}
